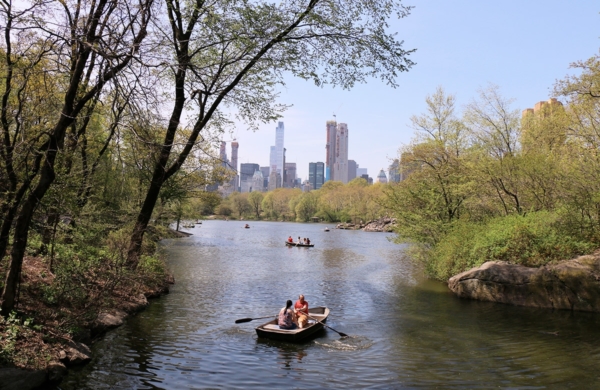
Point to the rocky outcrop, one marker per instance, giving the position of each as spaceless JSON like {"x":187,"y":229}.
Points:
{"x":381,"y":225}
{"x":348,"y":226}
{"x":571,"y":285}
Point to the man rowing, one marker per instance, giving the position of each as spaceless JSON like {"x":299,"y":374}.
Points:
{"x":301,"y":309}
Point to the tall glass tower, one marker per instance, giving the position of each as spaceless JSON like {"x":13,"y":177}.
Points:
{"x":277,"y":151}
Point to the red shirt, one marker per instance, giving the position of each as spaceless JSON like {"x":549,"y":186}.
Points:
{"x":299,"y":307}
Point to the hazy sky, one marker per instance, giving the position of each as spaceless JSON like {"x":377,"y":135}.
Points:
{"x":523,"y":46}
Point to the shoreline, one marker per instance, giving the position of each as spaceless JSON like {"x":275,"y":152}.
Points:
{"x":44,"y":350}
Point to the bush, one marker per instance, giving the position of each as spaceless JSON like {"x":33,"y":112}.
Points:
{"x":532,"y":240}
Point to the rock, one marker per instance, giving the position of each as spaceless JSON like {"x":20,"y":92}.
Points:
{"x":170,"y":279}
{"x":56,"y":371}
{"x":136,"y":304}
{"x":18,"y":379}
{"x":384,"y":224}
{"x":571,"y":285}
{"x":62,"y":356}
{"x":108,"y":320}
{"x":76,"y":358}
{"x":77,"y":354}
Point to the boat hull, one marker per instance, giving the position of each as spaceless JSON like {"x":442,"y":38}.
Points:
{"x":269,"y":330}
{"x":299,"y":245}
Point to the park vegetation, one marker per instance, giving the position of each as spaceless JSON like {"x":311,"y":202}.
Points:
{"x":110,"y":116}
{"x":488,"y":183}
{"x":355,"y":202}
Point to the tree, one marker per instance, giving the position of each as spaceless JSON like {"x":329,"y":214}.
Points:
{"x":240,"y":203}
{"x":235,"y":53}
{"x":255,"y":199}
{"x":99,"y":42}
{"x":496,"y":128}
{"x":306,"y":206}
{"x":432,"y":197}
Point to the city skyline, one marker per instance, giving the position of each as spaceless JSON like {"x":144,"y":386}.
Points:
{"x":476,"y":49}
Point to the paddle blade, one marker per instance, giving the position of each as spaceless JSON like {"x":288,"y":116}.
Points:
{"x":241,"y":320}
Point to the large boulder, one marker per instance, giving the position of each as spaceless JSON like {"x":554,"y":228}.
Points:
{"x":571,"y":285}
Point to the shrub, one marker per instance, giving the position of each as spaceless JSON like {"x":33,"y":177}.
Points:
{"x":532,"y":240}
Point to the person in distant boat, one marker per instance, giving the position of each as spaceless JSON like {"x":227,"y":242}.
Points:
{"x":307,"y":241}
{"x":299,"y":241}
{"x":287,"y":317}
{"x":290,"y":239}
{"x":301,"y":309}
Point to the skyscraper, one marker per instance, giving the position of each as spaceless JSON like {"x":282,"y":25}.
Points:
{"x":381,"y":178}
{"x":246,"y":176}
{"x":290,"y":175}
{"x":340,"y":165}
{"x":273,"y":158}
{"x":277,"y":152}
{"x":316,"y":175}
{"x":266,"y":171}
{"x":352,"y":165}
{"x":223,"y":153}
{"x":336,"y":158}
{"x":234,"y":165}
{"x":331,"y":127}
{"x":257,"y":182}
{"x":394,"y":171}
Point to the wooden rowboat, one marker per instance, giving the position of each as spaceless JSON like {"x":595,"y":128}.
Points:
{"x":294,"y":244}
{"x":271,"y":330}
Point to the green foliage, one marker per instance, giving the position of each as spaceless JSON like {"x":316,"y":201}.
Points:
{"x":531,"y":240}
{"x":11,"y":328}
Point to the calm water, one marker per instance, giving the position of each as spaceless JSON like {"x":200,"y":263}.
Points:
{"x":406,"y":332}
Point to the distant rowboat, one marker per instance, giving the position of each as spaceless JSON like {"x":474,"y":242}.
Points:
{"x":294,"y":244}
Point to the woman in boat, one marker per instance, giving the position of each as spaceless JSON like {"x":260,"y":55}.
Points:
{"x":290,"y":239}
{"x":287,"y":317}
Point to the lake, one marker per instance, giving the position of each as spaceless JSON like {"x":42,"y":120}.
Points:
{"x":407,"y":332}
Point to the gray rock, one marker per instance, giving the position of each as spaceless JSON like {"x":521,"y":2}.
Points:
{"x":384,"y":224}
{"x":107,"y":320}
{"x":76,"y":358}
{"x":571,"y":285}
{"x":18,"y":379}
{"x":77,"y":354}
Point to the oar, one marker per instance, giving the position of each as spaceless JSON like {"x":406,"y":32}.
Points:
{"x":327,"y":326}
{"x":241,"y":320}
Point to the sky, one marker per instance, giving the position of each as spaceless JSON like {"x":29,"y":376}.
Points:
{"x":523,"y":47}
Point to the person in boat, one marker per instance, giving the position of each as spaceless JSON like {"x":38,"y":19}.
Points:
{"x":290,"y":239}
{"x":299,"y":241}
{"x":301,"y":309}
{"x":307,"y":241}
{"x":287,"y":317}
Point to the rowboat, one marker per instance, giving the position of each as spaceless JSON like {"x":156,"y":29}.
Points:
{"x":294,"y":244}
{"x":271,"y":330}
